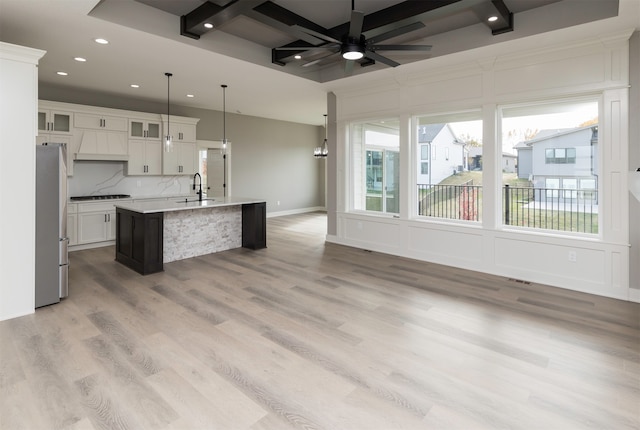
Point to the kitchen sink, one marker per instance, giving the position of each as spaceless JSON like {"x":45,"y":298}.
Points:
{"x":195,"y":200}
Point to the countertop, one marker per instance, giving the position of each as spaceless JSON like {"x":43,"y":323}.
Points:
{"x":181,"y":205}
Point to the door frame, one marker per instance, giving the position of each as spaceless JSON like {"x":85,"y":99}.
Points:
{"x":217,"y":144}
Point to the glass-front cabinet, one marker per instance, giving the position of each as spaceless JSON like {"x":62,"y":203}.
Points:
{"x":141,"y":129}
{"x":54,"y":121}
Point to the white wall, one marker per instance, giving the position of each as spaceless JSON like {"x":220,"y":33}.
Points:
{"x":18,"y":125}
{"x":634,"y":163}
{"x":591,"y":67}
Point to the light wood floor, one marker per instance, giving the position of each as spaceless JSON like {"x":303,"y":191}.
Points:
{"x":310,"y":335}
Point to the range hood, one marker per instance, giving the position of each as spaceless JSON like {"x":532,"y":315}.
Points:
{"x":102,"y":146}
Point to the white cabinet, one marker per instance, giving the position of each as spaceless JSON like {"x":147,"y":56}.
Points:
{"x":59,"y":138}
{"x":95,"y":226}
{"x":182,"y":132}
{"x":144,"y":129}
{"x":145,"y":157}
{"x":54,"y":121}
{"x":181,"y":161}
{"x":180,"y":128}
{"x":100,"y":122}
{"x":96,"y":222}
{"x":72,"y":223}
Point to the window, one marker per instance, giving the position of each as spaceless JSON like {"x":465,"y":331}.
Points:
{"x":569,"y":186}
{"x":555,"y":187}
{"x":449,"y":186}
{"x":375,"y":147}
{"x":560,"y":156}
{"x":552,"y":185}
{"x":424,"y":159}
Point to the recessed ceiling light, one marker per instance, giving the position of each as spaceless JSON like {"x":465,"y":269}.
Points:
{"x":492,"y":18}
{"x":80,"y":59}
{"x":297,"y":56}
{"x":208,"y":25}
{"x":62,"y":73}
{"x":190,"y":95}
{"x":101,"y":41}
{"x":135,"y":86}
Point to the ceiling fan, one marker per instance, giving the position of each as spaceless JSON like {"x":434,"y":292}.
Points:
{"x":355,"y":46}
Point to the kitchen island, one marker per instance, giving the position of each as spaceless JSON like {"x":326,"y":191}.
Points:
{"x":149,"y":234}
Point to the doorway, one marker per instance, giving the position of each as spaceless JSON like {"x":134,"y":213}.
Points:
{"x":214,"y":167}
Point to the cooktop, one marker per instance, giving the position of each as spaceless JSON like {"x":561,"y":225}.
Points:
{"x":101,"y":197}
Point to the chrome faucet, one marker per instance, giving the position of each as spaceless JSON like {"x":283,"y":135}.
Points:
{"x":199,"y":192}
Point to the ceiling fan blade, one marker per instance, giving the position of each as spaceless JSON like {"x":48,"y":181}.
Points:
{"x":357,"y":21}
{"x":308,"y":48}
{"x":311,"y":63}
{"x":400,"y":48}
{"x":377,"y":57}
{"x":314,"y":33}
{"x":397,"y":32}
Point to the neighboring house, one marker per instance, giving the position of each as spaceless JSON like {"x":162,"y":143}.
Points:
{"x":561,"y":159}
{"x":440,"y":153}
{"x":509,"y":162}
{"x":474,"y":158}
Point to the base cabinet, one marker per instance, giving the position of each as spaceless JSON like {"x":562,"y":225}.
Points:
{"x":139,"y":240}
{"x":96,"y":227}
{"x":254,"y":225}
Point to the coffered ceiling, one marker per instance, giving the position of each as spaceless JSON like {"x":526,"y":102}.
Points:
{"x":151,"y":37}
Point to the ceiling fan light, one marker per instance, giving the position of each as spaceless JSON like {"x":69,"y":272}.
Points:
{"x":352,"y":55}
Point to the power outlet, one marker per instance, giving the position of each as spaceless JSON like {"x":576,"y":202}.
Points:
{"x":573,"y":257}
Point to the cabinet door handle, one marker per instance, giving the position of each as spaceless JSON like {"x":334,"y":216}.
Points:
{"x":105,"y":217}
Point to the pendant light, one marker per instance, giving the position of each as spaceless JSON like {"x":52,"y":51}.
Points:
{"x":224,"y":117}
{"x":322,"y":151}
{"x":168,"y":144}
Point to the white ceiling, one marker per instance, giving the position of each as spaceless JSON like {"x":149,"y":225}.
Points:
{"x":145,"y":43}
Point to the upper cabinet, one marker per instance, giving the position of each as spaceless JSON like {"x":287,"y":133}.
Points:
{"x":103,"y":134}
{"x":144,"y":129}
{"x":181,"y":129}
{"x":100,"y":122}
{"x":183,"y":160}
{"x":52,"y":121}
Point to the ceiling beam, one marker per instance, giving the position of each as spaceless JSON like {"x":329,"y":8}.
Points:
{"x":192,"y":24}
{"x":504,"y":23}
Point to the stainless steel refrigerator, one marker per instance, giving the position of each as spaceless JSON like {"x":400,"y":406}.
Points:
{"x":52,"y":261}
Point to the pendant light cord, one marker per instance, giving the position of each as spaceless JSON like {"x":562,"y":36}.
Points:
{"x":224,"y":114}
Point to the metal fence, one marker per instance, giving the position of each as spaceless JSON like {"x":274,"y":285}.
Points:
{"x":543,"y":208}
{"x":450,"y":201}
{"x":551,"y":208}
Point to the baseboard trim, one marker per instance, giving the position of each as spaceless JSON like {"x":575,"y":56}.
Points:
{"x":297,"y":211}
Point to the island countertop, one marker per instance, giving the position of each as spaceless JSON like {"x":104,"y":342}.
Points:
{"x":185,"y":204}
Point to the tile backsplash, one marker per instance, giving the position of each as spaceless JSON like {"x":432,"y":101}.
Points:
{"x":107,"y":177}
